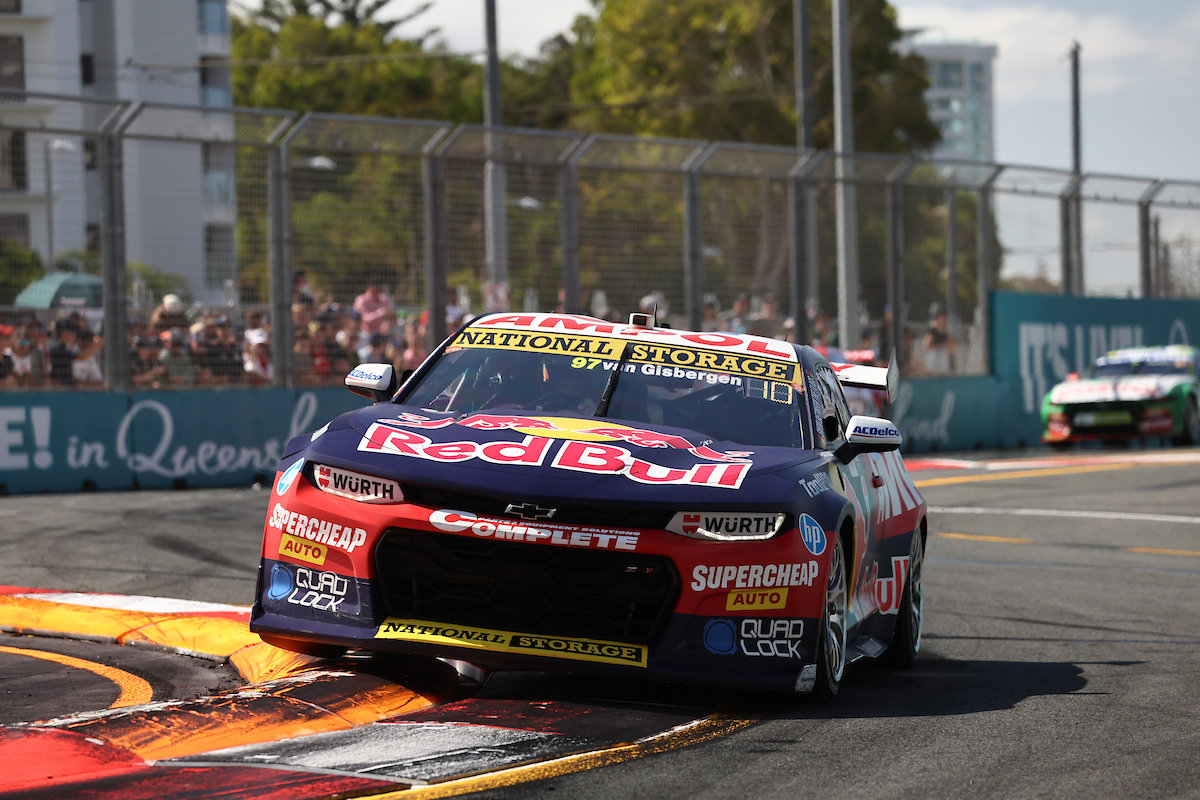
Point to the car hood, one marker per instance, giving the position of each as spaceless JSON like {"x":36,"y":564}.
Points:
{"x":560,"y":458}
{"x":1127,"y":387}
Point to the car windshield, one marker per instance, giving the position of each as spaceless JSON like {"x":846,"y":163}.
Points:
{"x":1115,"y":369}
{"x":721,"y":405}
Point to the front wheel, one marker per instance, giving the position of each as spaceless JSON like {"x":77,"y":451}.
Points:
{"x":906,"y":643}
{"x":831,"y":641}
{"x":1191,"y":424}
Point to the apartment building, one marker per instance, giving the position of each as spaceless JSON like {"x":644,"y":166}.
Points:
{"x":179,"y":199}
{"x":959,"y":95}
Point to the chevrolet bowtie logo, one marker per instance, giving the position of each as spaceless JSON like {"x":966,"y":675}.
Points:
{"x":529,"y":511}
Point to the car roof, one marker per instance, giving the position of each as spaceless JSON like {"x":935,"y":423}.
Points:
{"x":1129,"y":355}
{"x":580,"y":325}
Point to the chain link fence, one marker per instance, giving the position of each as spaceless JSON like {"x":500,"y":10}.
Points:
{"x":252,"y":247}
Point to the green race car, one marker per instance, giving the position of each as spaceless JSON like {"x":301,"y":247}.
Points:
{"x":1126,"y":394}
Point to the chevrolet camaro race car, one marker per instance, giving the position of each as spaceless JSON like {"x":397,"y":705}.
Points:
{"x":1143,"y":391}
{"x":556,"y":492}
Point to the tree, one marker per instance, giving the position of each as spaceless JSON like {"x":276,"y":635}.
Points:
{"x":355,"y":13}
{"x":712,"y":69}
{"x":19,"y":267}
{"x":443,"y":87}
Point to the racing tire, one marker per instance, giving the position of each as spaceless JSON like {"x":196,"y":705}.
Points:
{"x":1059,"y":446}
{"x":831,"y":639}
{"x":906,"y":643}
{"x":1191,"y":424}
{"x":304,"y":648}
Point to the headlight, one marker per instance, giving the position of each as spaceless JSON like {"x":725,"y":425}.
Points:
{"x":356,"y":486}
{"x":727,"y":526}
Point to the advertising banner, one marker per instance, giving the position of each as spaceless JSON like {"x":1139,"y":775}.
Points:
{"x":82,"y":441}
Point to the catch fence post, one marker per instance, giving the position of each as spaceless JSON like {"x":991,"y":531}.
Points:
{"x":112,"y":226}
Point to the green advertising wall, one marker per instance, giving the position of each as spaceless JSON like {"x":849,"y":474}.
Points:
{"x":1037,"y":339}
{"x":69,"y":442}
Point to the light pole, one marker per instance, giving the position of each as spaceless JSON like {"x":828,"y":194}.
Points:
{"x":849,"y":332}
{"x":495,"y":213}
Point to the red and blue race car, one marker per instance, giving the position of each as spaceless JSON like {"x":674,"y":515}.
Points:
{"x":557,"y":492}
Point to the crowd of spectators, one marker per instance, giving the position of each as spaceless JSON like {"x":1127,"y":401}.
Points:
{"x":182,"y":346}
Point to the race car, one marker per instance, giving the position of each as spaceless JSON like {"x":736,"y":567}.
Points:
{"x":557,"y":492}
{"x":1126,"y":394}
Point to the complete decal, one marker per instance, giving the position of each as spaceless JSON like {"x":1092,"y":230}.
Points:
{"x":508,"y":530}
{"x":411,"y":630}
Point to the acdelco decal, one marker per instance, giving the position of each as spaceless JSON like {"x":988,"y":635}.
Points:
{"x":595,"y":538}
{"x":314,"y":529}
{"x":753,"y":576}
{"x":411,"y":630}
{"x":597,"y":459}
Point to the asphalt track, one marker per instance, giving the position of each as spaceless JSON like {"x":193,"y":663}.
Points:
{"x":1060,"y":659}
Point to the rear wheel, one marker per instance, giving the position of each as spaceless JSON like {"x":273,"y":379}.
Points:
{"x":1191,"y":424}
{"x":906,"y":643}
{"x":831,"y":641}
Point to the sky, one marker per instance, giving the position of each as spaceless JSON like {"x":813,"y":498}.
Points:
{"x":1140,"y":70}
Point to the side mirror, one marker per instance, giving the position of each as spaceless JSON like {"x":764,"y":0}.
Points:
{"x":376,"y":382}
{"x":868,"y":435}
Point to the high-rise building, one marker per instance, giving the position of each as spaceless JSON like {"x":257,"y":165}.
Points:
{"x":959,"y":95}
{"x":163,"y":51}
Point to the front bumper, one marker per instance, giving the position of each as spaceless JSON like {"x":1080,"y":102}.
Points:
{"x":740,"y":613}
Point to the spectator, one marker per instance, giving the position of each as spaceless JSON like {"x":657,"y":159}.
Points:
{"x":256,"y":360}
{"x":329,"y":362}
{"x":352,"y":338}
{"x":376,"y":350}
{"x":7,"y":363}
{"x":200,"y":352}
{"x":85,"y":368}
{"x":145,"y":370}
{"x":170,"y":314}
{"x":62,"y":354}
{"x":939,"y":344}
{"x":225,"y":357}
{"x":302,"y":358}
{"x":709,"y":320}
{"x":24,"y":360}
{"x":737,"y":319}
{"x":39,"y":351}
{"x":415,"y":351}
{"x":767,"y":322}
{"x":302,"y":290}
{"x":176,"y":361}
{"x":375,"y":307}
{"x":255,"y":329}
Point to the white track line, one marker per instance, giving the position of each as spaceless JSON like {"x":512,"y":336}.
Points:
{"x":1053,"y":512}
{"x":148,"y":605}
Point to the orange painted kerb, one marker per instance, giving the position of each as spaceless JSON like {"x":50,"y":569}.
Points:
{"x":134,"y":690}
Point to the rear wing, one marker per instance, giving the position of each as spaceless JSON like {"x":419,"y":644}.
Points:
{"x":884,"y":379}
